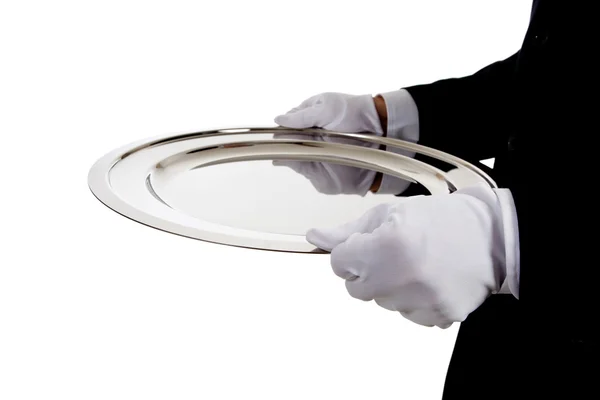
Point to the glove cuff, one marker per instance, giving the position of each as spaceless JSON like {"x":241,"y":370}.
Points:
{"x":402,"y":114}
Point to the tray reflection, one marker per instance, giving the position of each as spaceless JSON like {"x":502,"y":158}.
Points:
{"x":256,"y":195}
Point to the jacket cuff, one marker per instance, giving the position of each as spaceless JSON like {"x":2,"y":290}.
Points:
{"x":403,"y":124}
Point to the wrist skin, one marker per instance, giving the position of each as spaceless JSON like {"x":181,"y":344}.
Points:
{"x":380,"y":106}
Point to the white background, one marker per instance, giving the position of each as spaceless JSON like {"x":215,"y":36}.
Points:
{"x":96,"y":306}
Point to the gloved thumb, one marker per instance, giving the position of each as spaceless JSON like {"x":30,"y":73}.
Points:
{"x":300,"y":118}
{"x":328,"y":238}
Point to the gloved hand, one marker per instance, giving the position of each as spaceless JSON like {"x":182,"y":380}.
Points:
{"x":434,"y":259}
{"x":337,"y":112}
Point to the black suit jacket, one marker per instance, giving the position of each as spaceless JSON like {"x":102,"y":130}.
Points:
{"x":536,"y":114}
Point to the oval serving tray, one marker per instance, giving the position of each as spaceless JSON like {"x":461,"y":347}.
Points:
{"x":219,"y":185}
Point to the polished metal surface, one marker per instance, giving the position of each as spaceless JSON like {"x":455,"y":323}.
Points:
{"x":220,"y":186}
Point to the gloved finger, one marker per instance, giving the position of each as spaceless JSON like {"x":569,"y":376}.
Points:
{"x":397,"y":302}
{"x":358,"y":289}
{"x":357,"y":256}
{"x":341,"y":267}
{"x":292,"y":164}
{"x":444,"y":325}
{"x":305,"y":168}
{"x":303,"y":118}
{"x":421,"y":317}
{"x":428,"y":318}
{"x":306,"y":103}
{"x":385,"y":302}
{"x":328,"y":238}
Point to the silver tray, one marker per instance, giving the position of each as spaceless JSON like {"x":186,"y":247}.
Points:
{"x":219,"y":185}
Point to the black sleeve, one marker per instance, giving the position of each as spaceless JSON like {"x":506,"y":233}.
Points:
{"x":468,"y":117}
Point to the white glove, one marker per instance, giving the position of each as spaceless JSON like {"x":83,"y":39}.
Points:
{"x":434,"y":259}
{"x":336,"y":112}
